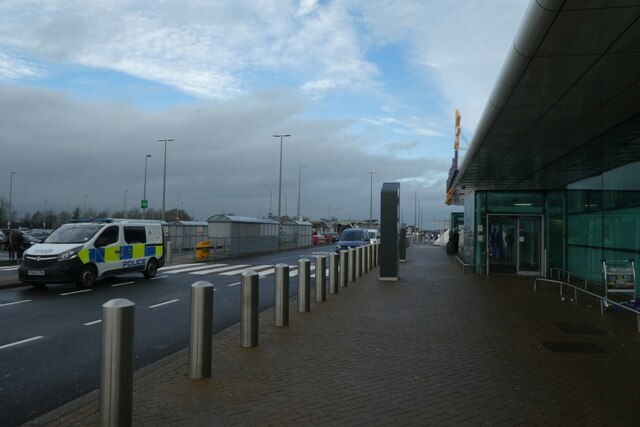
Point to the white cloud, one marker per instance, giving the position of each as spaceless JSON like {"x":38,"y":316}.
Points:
{"x":12,"y":68}
{"x":258,"y":67}
{"x":307,"y":6}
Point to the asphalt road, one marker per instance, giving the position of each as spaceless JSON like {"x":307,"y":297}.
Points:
{"x":50,"y":338}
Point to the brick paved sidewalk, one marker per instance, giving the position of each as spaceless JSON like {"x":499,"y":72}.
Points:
{"x":435,"y":348}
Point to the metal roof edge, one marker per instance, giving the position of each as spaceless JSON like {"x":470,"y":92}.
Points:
{"x":533,"y":28}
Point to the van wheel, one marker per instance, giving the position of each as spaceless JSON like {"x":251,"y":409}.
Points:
{"x":87,"y":277}
{"x":151,"y":270}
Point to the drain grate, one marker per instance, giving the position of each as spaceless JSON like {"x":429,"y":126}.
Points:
{"x":573,"y":347}
{"x":581,"y":328}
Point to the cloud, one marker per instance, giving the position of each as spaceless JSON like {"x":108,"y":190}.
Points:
{"x":13,"y":68}
{"x":63,"y":149}
{"x":316,"y":69}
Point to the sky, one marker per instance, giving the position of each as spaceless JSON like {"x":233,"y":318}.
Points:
{"x":88,"y":87}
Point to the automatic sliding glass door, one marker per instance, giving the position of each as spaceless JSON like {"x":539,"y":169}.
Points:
{"x":501,"y":245}
{"x":529,"y":245}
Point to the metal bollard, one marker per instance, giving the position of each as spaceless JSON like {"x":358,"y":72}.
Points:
{"x":321,"y":278}
{"x":168,"y":257}
{"x":376,"y":251}
{"x":304,"y":285}
{"x":281,"y":296}
{"x":352,"y":265}
{"x":201,"y":330}
{"x":370,"y":257}
{"x":334,"y":278}
{"x":249,"y":315}
{"x":365,"y":259}
{"x":344,"y":269}
{"x":116,"y":376}
{"x":358,"y":255}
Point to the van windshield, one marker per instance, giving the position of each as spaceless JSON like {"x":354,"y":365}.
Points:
{"x":352,"y":234}
{"x":73,"y":233}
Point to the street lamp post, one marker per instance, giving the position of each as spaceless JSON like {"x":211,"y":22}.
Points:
{"x":299,"y":188}
{"x":164,"y":179}
{"x":144,"y":191}
{"x":280,"y":178}
{"x":371,"y":201}
{"x":44,"y":215}
{"x":10,"y":194}
{"x":125,"y":203}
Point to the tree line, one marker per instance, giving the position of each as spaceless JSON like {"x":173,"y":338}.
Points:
{"x":52,"y":218}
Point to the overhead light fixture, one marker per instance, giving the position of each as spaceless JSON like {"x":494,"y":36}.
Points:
{"x":522,"y":204}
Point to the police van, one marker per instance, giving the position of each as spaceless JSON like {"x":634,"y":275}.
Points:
{"x":83,"y":252}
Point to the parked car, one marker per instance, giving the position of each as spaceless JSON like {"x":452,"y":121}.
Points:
{"x":39,"y":233}
{"x":4,"y":241}
{"x":330,"y":237}
{"x":317,"y":239}
{"x":352,"y":238}
{"x":374,"y":235}
{"x":29,"y":240}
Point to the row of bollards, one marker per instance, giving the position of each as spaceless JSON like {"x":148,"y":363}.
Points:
{"x":116,"y":382}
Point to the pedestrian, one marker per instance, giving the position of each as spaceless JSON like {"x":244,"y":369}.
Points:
{"x":16,"y":240}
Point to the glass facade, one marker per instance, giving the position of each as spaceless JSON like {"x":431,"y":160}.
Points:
{"x":603,"y":220}
{"x":594,"y":218}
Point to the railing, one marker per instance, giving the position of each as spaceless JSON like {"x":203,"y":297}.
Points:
{"x":604,"y":302}
{"x":463,"y":265}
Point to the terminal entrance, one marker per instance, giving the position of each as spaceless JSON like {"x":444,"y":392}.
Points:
{"x":514,"y":244}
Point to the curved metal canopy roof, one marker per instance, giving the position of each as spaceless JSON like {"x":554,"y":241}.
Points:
{"x":573,"y":73}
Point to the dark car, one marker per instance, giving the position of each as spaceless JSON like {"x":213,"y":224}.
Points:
{"x":4,"y":238}
{"x":352,"y":238}
{"x":28,"y":240}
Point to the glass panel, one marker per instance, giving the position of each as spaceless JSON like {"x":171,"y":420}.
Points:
{"x":529,"y":234}
{"x":501,"y":235}
{"x":482,"y":233}
{"x":555,"y":230}
{"x":515,"y":202}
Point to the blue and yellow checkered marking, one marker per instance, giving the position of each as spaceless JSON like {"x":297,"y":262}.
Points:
{"x":117,"y":253}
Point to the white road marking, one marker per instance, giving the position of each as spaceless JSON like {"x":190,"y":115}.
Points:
{"x":92,"y":323}
{"x":12,"y":268}
{"x":242,"y":270}
{"x":171,"y":267}
{"x":234,"y":284}
{"x":20,"y":342}
{"x":267,"y":272}
{"x":197,"y":267}
{"x":163,"y":303}
{"x":159,"y":277}
{"x":122,"y":284}
{"x":14,"y":303}
{"x":217,"y":270}
{"x":76,"y":292}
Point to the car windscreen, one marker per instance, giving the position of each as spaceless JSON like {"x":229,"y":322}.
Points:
{"x":352,"y":235}
{"x":73,"y":233}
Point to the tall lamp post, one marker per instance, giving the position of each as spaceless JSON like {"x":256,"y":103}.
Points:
{"x":299,"y":188}
{"x":10,"y":194}
{"x":280,"y":178}
{"x":144,"y":191}
{"x":44,"y":215}
{"x":125,"y":203}
{"x":164,"y":179}
{"x":371,"y":200}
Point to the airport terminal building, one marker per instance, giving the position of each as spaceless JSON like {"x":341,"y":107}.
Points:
{"x":551,"y":178}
